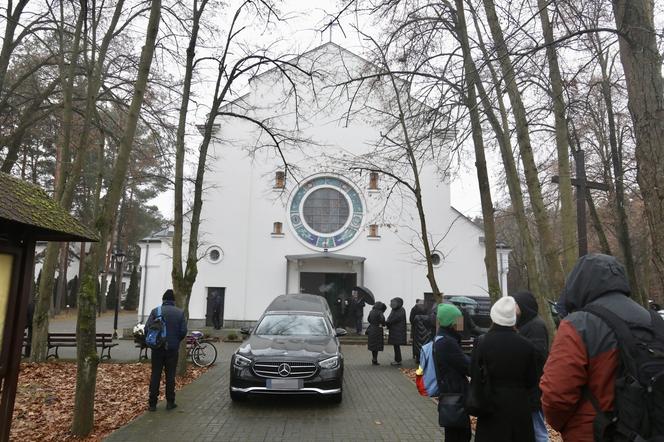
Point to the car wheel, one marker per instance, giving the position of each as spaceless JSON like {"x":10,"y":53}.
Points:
{"x":237,"y":397}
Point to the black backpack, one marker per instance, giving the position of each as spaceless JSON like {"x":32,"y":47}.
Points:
{"x":638,"y":409}
{"x":155,"y":335}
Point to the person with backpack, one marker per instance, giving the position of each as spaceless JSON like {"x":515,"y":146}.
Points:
{"x":376,"y":322}
{"x":165,"y":328}
{"x":605,"y":371}
{"x":506,"y":363}
{"x":452,"y":369}
{"x":396,"y":325}
{"x":531,"y":326}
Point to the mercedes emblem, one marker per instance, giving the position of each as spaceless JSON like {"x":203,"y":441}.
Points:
{"x":284,"y":370}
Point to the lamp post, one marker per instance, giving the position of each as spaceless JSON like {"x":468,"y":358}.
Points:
{"x":119,"y":257}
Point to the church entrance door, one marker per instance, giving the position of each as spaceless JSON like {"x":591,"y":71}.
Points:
{"x":336,"y":288}
{"x":215,"y":306}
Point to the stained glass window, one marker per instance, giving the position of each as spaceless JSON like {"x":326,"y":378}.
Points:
{"x":326,"y":210}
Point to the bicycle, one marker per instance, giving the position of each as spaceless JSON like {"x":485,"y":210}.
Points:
{"x":202,"y":352}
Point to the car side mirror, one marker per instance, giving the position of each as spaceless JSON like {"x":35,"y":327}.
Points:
{"x":245,"y":330}
{"x":340,"y":332}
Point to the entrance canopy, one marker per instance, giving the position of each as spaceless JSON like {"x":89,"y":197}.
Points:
{"x":322,"y":263}
{"x":325,"y":255}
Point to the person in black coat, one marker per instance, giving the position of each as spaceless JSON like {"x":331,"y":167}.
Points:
{"x":453,"y":366}
{"x":396,"y":325}
{"x":531,"y":326}
{"x":510,"y":361}
{"x":420,"y":329}
{"x":217,"y":305}
{"x":357,"y":310}
{"x":376,"y":322}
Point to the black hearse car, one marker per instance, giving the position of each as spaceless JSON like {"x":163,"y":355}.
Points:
{"x":293,"y":349}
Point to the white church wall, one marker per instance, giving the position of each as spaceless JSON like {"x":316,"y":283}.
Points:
{"x":241,"y":206}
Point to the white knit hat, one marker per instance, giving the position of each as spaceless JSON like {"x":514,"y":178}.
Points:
{"x":503,"y":312}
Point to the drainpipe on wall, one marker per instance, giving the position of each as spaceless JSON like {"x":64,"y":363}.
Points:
{"x":145,"y":281}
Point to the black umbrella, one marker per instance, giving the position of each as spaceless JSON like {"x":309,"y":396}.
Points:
{"x":366,"y":294}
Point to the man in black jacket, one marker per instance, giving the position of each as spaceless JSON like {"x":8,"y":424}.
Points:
{"x":531,"y":326}
{"x":166,"y":359}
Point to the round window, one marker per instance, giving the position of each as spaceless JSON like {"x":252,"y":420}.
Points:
{"x":214,"y":254}
{"x":326,"y":212}
{"x":436,"y":258}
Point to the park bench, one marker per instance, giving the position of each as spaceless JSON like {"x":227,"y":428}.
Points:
{"x":102,"y":340}
{"x":467,"y":345}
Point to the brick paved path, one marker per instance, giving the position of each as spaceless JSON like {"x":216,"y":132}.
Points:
{"x":379,"y":404}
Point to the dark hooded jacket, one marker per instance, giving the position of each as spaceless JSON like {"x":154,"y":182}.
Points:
{"x":584,"y":352}
{"x":531,"y":326}
{"x":176,"y":324}
{"x":511,"y":365}
{"x":396,"y":323}
{"x":420,"y":328}
{"x":376,"y":322}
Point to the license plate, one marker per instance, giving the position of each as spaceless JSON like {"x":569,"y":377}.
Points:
{"x":283,"y":384}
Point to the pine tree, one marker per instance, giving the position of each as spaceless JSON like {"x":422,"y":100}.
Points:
{"x":112,"y":294}
{"x":131,"y":303}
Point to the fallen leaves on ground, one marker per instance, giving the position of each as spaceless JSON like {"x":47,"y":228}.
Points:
{"x":45,"y":398}
{"x":554,"y":436}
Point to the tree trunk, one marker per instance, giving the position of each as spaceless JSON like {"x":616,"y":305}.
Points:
{"x":553,"y":274}
{"x":66,"y":185}
{"x":622,"y":223}
{"x":642,"y":64}
{"x":87,"y":358}
{"x":417,"y":190}
{"x":61,"y":289}
{"x":490,"y":254}
{"x":8,"y":42}
{"x":183,"y":280}
{"x":43,"y":304}
{"x":501,"y":130}
{"x":567,"y":221}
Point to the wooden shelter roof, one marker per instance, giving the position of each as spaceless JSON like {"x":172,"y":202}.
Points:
{"x":23,"y":203}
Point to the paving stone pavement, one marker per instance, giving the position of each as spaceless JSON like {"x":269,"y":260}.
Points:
{"x":379,"y":404}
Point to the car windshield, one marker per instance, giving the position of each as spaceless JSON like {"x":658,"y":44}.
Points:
{"x":290,"y":325}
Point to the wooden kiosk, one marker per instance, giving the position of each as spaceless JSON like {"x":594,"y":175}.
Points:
{"x":27,"y":215}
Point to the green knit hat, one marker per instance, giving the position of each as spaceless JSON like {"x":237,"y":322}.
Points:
{"x":447,"y":314}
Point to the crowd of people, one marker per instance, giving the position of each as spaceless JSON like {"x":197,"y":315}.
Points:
{"x":513,"y":382}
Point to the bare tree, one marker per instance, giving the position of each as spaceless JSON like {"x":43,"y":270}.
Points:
{"x":229,"y":73}
{"x":87,"y":358}
{"x":567,"y":221}
{"x":553,"y":274}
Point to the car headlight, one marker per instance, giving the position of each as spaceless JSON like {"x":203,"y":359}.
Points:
{"x":241,"y":362}
{"x":332,"y":362}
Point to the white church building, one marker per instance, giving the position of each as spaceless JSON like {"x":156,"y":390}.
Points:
{"x":328,"y":221}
